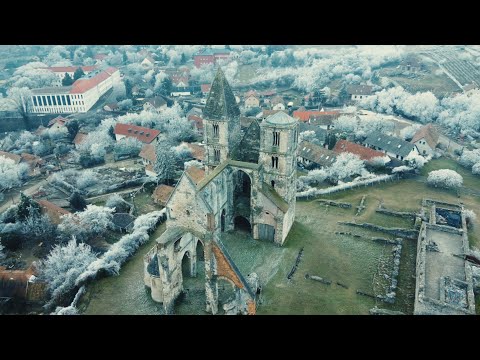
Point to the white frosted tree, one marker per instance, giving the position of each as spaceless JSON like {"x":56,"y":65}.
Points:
{"x":445,"y":178}
{"x":346,"y":165}
{"x":93,"y":221}
{"x":470,"y":158}
{"x":476,"y":169}
{"x":408,"y":132}
{"x":416,"y":161}
{"x":11,"y":174}
{"x":63,"y":265}
{"x":164,"y":166}
{"x":2,"y":252}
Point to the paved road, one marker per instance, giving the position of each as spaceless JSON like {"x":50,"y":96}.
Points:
{"x":27,"y":191}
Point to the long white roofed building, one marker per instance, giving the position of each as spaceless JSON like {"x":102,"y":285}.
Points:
{"x":77,"y":98}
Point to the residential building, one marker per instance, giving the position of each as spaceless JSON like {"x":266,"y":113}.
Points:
{"x":60,"y":71}
{"x":426,"y":139}
{"x":53,"y":211}
{"x":320,"y":133}
{"x":79,"y":97}
{"x":359,"y":92}
{"x":311,"y":155}
{"x":251,"y":100}
{"x":149,"y":157}
{"x":306,"y":115}
{"x":210,"y":56}
{"x":156,"y":103}
{"x":277,"y":103}
{"x":198,"y":122}
{"x":143,"y":134}
{"x":392,"y":146}
{"x":57,"y":123}
{"x":111,"y":107}
{"x":148,"y":62}
{"x":205,"y":88}
{"x":366,"y":154}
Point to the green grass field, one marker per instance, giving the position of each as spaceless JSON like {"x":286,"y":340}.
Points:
{"x":349,"y":260}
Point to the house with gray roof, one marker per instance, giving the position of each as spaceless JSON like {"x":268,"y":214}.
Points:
{"x":320,"y":134}
{"x":392,"y":146}
{"x":310,"y":155}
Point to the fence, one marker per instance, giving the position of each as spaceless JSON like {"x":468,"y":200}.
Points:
{"x":346,"y":186}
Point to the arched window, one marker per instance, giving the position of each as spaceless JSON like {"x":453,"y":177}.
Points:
{"x":216,"y":155}
{"x":275,"y":162}
{"x":216,"y":131}
{"x":273,"y":184}
{"x":276,"y":138}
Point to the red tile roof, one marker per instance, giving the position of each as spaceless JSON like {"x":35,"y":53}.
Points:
{"x":143,"y":134}
{"x":53,"y":211}
{"x":64,"y":69}
{"x":198,"y":152}
{"x":79,"y":138}
{"x":60,"y":119}
{"x":14,"y":157}
{"x":429,"y":133}
{"x":100,"y":56}
{"x":365,"y":153}
{"x":206,"y":88}
{"x":195,"y":174}
{"x":162,"y":193}
{"x":198,"y":121}
{"x":148,"y":153}
{"x":82,"y":85}
{"x":305,"y":115}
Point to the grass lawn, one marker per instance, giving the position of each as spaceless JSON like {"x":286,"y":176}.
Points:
{"x":351,"y":261}
{"x":144,"y":203}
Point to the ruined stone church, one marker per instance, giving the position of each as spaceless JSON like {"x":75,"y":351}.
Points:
{"x":248,"y":182}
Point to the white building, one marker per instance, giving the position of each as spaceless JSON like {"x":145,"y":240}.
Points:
{"x":79,"y":97}
{"x":359,"y":92}
{"x":60,"y":71}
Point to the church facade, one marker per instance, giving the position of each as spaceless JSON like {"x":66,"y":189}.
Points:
{"x":248,"y":183}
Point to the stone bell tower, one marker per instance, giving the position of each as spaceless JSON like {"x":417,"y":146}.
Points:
{"x":278,"y":154}
{"x":221,"y":119}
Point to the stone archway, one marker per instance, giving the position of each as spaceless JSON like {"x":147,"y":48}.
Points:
{"x":241,"y":223}
{"x":242,"y":194}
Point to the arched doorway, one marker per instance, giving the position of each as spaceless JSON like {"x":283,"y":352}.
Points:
{"x":186,"y":265}
{"x":242,"y":224}
{"x":222,"y":221}
{"x":242,"y":198}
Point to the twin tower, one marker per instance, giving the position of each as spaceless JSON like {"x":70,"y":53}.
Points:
{"x":265,"y":149}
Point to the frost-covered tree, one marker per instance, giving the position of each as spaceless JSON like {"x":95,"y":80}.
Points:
{"x":308,"y":135}
{"x":346,"y":165}
{"x":182,"y":152}
{"x":476,"y":169}
{"x":416,"y":161}
{"x":315,"y":177}
{"x":33,"y":75}
{"x":63,"y":265}
{"x":93,"y":221}
{"x":2,"y":252}
{"x":125,"y":104}
{"x":11,"y":174}
{"x":470,"y":158}
{"x":127,"y":147}
{"x":164,"y":166}
{"x":20,"y":96}
{"x":445,"y":178}
{"x":180,"y":130}
{"x":470,"y":217}
{"x":86,"y":178}
{"x":408,"y":132}
{"x":116,"y":202}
